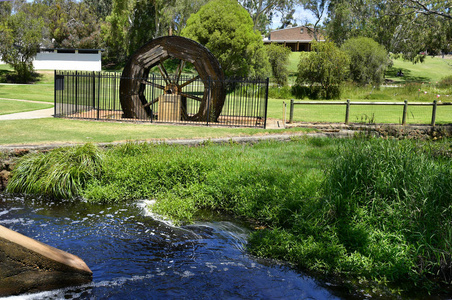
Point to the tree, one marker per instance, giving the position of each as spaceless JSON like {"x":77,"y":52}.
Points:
{"x":226,"y":29}
{"x":326,"y":66}
{"x":72,"y":24}
{"x":5,"y":10}
{"x":435,"y":21}
{"x":278,"y":56}
{"x":101,"y":8}
{"x":115,"y":29}
{"x":142,"y":27}
{"x":20,"y":39}
{"x":368,"y":60}
{"x":405,"y":27}
{"x":262,"y":11}
{"x":318,"y":8}
{"x":171,"y":15}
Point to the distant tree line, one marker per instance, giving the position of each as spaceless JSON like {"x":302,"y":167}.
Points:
{"x":409,"y":28}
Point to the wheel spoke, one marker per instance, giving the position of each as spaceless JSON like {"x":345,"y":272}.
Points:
{"x":164,"y":73}
{"x":147,"y":82}
{"x":152,"y":102}
{"x":180,"y":68}
{"x":191,"y":97}
{"x":189,"y":81}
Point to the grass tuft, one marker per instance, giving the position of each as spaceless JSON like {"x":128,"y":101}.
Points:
{"x":61,"y":173}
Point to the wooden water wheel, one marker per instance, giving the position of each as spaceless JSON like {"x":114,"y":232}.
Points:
{"x":135,"y":76}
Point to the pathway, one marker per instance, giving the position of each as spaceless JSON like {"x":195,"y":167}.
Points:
{"x":35,"y":114}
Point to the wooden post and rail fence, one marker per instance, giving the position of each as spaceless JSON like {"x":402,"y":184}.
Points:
{"x":348,"y":103}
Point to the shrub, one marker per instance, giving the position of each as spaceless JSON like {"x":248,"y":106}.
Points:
{"x":368,"y":60}
{"x":325,"y":67}
{"x":278,"y":55}
{"x":445,"y":82}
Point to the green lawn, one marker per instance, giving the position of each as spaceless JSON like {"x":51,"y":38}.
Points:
{"x":432,"y":70}
{"x":55,"y":130}
{"x":35,"y":92}
{"x":10,"y":106}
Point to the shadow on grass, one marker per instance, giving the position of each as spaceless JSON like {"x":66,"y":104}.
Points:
{"x":4,"y":75}
{"x":8,"y":76}
{"x":392,"y":73}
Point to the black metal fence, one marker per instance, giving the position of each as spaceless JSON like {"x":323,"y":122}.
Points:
{"x":96,"y":95}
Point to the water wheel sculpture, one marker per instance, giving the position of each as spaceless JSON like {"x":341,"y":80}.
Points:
{"x":135,"y":78}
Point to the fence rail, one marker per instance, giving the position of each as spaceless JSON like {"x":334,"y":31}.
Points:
{"x":96,"y":95}
{"x":348,"y":103}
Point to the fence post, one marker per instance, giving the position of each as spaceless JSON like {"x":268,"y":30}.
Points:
{"x":347,"y":112}
{"x":76,"y":91}
{"x":54,"y":92}
{"x":284,"y":113}
{"x":114,"y":91}
{"x":98,"y":95}
{"x":291,"y":111}
{"x":208,"y":100}
{"x":434,"y":112}
{"x":267,"y":82}
{"x":405,"y":109}
{"x":94,"y":90}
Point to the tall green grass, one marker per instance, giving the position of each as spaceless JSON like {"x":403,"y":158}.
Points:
{"x":402,"y":190}
{"x":375,"y":211}
{"x":61,"y":173}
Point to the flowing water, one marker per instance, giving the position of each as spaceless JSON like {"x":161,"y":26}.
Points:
{"x":135,"y":256}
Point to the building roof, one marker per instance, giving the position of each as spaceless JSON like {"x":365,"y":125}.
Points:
{"x":292,"y":34}
{"x":67,"y":50}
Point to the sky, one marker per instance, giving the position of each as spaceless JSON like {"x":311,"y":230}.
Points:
{"x":301,"y":16}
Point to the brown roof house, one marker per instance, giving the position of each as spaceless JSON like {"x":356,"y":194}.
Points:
{"x":296,"y":38}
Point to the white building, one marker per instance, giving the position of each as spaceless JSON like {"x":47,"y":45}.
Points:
{"x":69,"y":59}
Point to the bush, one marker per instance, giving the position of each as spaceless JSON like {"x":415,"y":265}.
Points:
{"x":325,"y":68}
{"x":368,"y":60}
{"x":278,"y":56}
{"x":445,"y":82}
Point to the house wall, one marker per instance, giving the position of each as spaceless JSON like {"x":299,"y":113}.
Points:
{"x":296,"y":38}
{"x":68,"y":61}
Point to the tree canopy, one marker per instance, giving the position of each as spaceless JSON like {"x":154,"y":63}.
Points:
{"x":20,"y":37}
{"x":411,"y":28}
{"x":226,"y":29}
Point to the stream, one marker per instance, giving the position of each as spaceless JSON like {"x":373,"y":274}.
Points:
{"x":134,"y":255}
